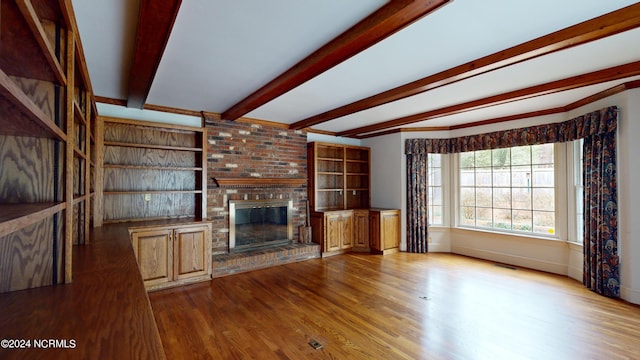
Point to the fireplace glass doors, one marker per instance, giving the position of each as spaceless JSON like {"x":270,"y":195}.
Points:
{"x":259,"y":223}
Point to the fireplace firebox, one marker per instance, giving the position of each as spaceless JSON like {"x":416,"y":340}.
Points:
{"x":259,"y":223}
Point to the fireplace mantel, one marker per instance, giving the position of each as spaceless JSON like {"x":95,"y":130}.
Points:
{"x":258,"y":182}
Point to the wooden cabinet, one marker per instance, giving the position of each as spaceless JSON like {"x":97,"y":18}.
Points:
{"x":361,"y":230}
{"x":384,"y":225}
{"x":333,"y":230}
{"x":46,"y":123}
{"x":338,"y":176}
{"x":149,"y":165}
{"x":172,"y":255}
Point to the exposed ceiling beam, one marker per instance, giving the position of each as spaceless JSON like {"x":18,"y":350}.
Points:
{"x":574,"y":82}
{"x":597,"y":28}
{"x":155,"y":21}
{"x":574,"y":105}
{"x":384,"y":22}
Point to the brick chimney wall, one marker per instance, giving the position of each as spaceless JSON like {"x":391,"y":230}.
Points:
{"x":238,"y":149}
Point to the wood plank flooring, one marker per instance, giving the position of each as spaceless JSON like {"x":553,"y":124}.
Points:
{"x":399,"y":306}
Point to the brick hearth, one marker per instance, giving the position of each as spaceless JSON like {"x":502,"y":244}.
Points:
{"x":233,"y":263}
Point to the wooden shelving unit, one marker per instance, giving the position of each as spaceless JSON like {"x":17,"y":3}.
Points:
{"x":338,"y":176}
{"x":151,"y":171}
{"x":46,"y":108}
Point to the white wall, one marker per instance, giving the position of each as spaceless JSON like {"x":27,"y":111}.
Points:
{"x":561,"y":257}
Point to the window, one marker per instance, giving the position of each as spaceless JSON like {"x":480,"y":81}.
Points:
{"x":579,"y":190}
{"x":435,"y":199}
{"x":508,"y":189}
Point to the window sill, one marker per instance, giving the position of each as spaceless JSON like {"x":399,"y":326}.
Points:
{"x":514,"y":234}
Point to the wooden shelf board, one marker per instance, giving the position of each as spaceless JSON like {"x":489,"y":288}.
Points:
{"x":153,"y":192}
{"x":329,"y":190}
{"x":358,"y":189}
{"x":78,"y":113}
{"x":17,"y":216}
{"x":79,"y":198}
{"x":33,"y":21}
{"x":357,"y":174}
{"x":339,"y":173}
{"x":259,"y":182}
{"x":154,"y":125}
{"x":142,"y":167}
{"x":78,"y":153}
{"x":148,"y":146}
{"x":358,"y":161}
{"x":330,"y":159}
{"x":19,"y":116}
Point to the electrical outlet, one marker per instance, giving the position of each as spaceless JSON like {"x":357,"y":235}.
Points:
{"x":147,"y":197}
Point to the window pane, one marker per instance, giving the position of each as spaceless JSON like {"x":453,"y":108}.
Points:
{"x":501,"y":157}
{"x":436,"y":196}
{"x":436,"y":215}
{"x":502,"y":198}
{"x":435,"y":178}
{"x":483,"y":158}
{"x":484,"y":197}
{"x":542,"y":154}
{"x":467,"y":196}
{"x":502,"y":219}
{"x":484,"y":217}
{"x":543,"y":199}
{"x":543,"y":222}
{"x":468,"y":215}
{"x":521,"y":176}
{"x":483,"y":176}
{"x":521,"y":198}
{"x":522,"y":220}
{"x":501,"y":177}
{"x":467,"y":160}
{"x":521,"y":155}
{"x":543,"y":175}
{"x":467,"y":177}
{"x":435,"y":160}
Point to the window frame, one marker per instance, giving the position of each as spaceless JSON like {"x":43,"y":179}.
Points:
{"x":558,"y":233}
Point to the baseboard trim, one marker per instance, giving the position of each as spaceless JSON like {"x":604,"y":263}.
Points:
{"x":536,"y":264}
{"x":630,"y":295}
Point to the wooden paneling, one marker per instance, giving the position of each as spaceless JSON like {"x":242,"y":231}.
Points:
{"x":361,"y":230}
{"x":141,"y":180}
{"x":146,"y":135}
{"x":26,"y":257}
{"x":27,"y":169}
{"x":42,"y":93}
{"x":133,"y":206}
{"x":148,"y":157}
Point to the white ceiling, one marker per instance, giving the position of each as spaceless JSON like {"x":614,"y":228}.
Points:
{"x":221,"y":51}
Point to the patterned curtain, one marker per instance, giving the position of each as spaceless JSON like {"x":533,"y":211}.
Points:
{"x":600,"y":272}
{"x":417,"y":202}
{"x":598,"y":128}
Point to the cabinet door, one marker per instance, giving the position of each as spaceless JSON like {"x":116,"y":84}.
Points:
{"x":361,"y":229}
{"x":390,"y":229}
{"x":153,"y":251}
{"x":190,"y":252}
{"x":333,"y":232}
{"x":346,"y":231}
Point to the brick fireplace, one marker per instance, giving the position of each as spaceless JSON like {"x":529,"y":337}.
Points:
{"x":254,"y":161}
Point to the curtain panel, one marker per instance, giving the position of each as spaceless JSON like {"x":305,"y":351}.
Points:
{"x":598,"y":129}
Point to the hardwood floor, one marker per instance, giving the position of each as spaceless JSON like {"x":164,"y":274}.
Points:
{"x":371,"y":307}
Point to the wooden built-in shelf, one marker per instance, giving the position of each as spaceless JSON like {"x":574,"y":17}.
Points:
{"x":149,"y":146}
{"x":259,"y":182}
{"x":14,"y":217}
{"x":329,"y":173}
{"x":16,"y":106}
{"x":142,"y":167}
{"x":331,"y":159}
